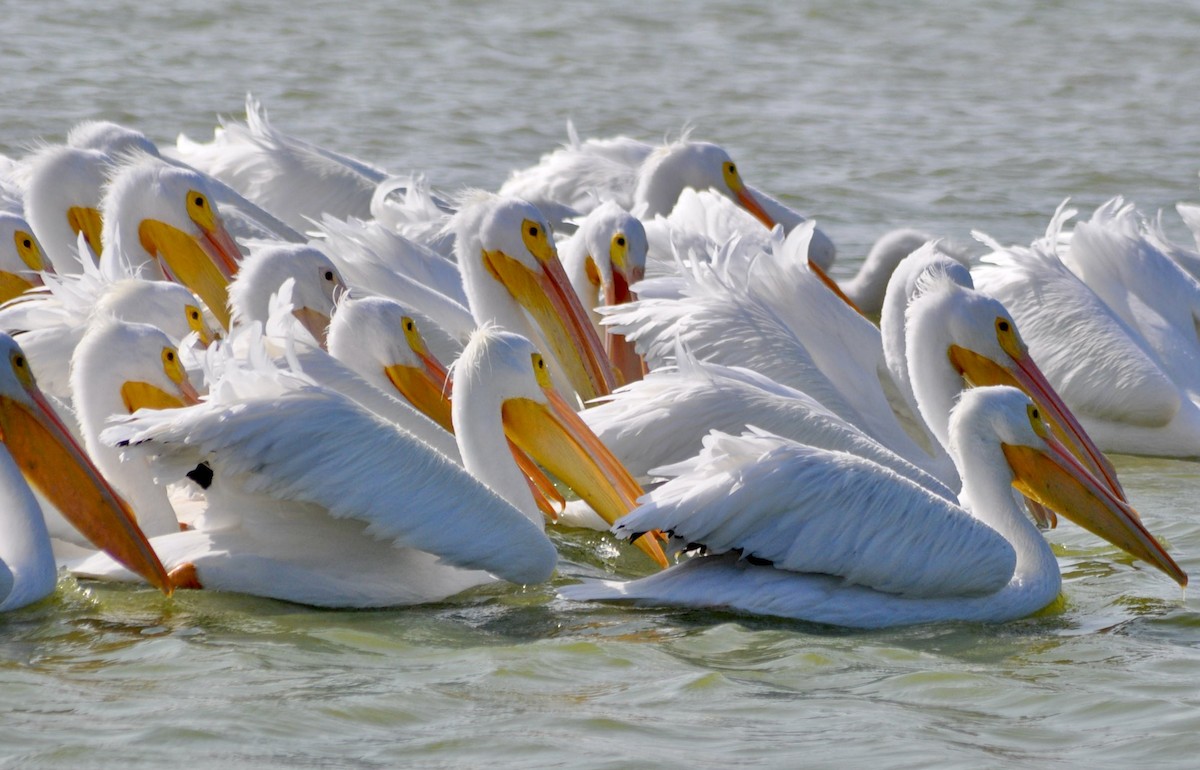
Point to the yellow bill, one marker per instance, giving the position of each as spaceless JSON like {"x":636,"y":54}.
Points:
{"x":186,"y":260}
{"x":549,"y":298}
{"x":1057,"y":479}
{"x":1026,"y":376}
{"x":561,"y":442}
{"x":52,"y":461}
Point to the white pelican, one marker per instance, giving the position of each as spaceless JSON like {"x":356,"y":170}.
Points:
{"x":317,"y":283}
{"x":788,"y":530}
{"x":21,"y":257}
{"x":647,"y":180}
{"x":118,"y":368}
{"x":1121,"y":349}
{"x":603,"y":258}
{"x":62,"y":191}
{"x":509,"y":267}
{"x":161,"y":219}
{"x":36,"y":444}
{"x":956,"y":337}
{"x":1116,"y":255}
{"x":382,"y":341}
{"x":314,"y":500}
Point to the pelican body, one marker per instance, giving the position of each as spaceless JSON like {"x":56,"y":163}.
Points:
{"x":787,"y":530}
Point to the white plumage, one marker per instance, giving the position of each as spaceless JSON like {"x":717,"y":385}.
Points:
{"x":827,"y":537}
{"x":1122,"y":347}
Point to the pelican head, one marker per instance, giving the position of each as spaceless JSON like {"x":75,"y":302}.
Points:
{"x":112,"y":139}
{"x":158,"y":214}
{"x":20,"y":257}
{"x":120,"y":367}
{"x":168,"y":306}
{"x":1045,"y":470}
{"x":381,"y":340}
{"x":503,"y":372}
{"x":699,"y":165}
{"x":507,"y":256}
{"x":57,"y":466}
{"x":63,"y":191}
{"x":317,"y":285}
{"x":607,"y":256}
{"x":978,"y":337}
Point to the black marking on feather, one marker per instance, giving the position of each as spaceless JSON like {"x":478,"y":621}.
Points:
{"x":202,"y":474}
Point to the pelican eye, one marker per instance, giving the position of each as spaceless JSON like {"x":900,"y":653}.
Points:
{"x":617,"y":251}
{"x":21,"y":368}
{"x":1010,"y":341}
{"x":201,"y":211}
{"x":328,"y":275}
{"x":413,"y":336}
{"x":534,"y":236}
{"x":540,"y":371}
{"x":1036,"y":422}
{"x":730,"y":172}
{"x":171,"y":366}
{"x":27,"y":250}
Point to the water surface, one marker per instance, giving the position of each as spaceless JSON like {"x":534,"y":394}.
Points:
{"x":947,"y":117}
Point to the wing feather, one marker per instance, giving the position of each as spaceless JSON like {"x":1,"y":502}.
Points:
{"x":313,"y":446}
{"x":817,"y":511}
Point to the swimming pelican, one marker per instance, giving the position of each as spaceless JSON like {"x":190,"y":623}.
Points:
{"x":788,"y":530}
{"x":382,"y":342}
{"x":316,"y":501}
{"x":118,"y":368}
{"x":244,"y":218}
{"x":956,"y":338}
{"x":1122,"y":348}
{"x":38,"y":445}
{"x":603,"y":258}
